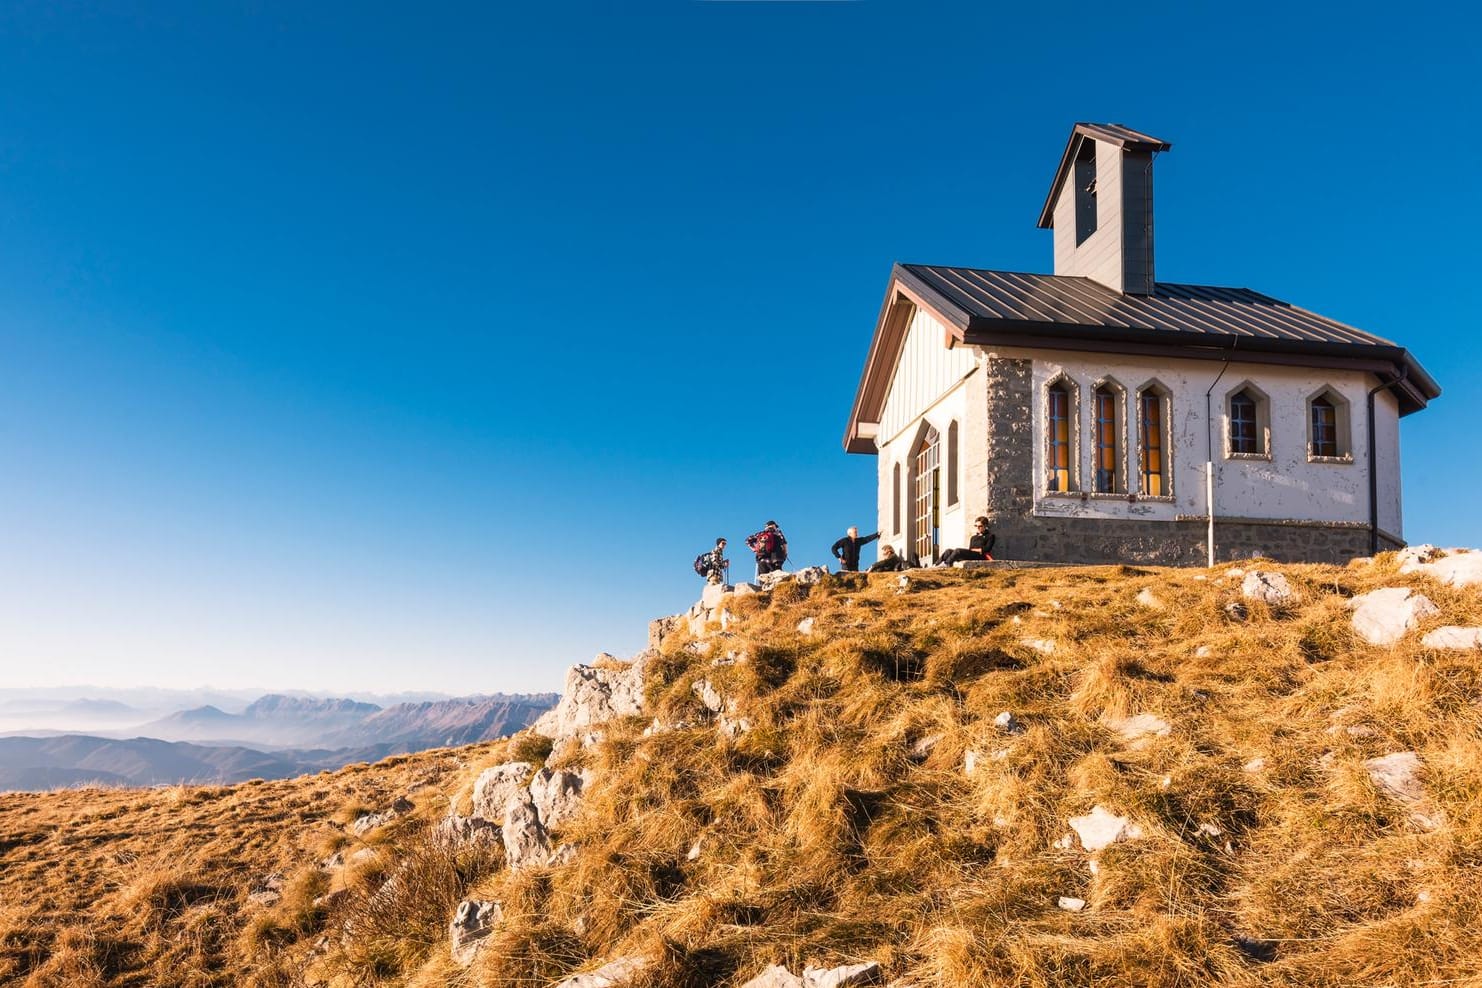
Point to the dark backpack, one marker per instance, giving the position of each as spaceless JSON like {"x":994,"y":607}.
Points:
{"x":702,"y":564}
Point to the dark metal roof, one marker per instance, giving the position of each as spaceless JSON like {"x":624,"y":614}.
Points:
{"x":999,"y":306}
{"x":1124,"y":137}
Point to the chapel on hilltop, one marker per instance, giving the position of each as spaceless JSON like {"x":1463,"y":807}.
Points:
{"x":1099,"y":415}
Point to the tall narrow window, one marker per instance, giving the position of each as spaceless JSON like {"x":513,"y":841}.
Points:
{"x":1085,"y":191}
{"x":895,"y":499}
{"x":1058,"y":421}
{"x":1104,"y":406}
{"x":1245,"y":434}
{"x":926,"y":517}
{"x":952,"y":464}
{"x":1152,"y":466}
{"x":1324,"y":427}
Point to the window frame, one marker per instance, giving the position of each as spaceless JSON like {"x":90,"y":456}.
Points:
{"x":1342,"y":451}
{"x":1163,"y":397}
{"x":1261,"y":422}
{"x":1110,"y":388}
{"x":1061,"y":384}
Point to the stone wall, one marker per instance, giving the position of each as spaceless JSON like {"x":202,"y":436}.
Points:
{"x":1007,"y":498}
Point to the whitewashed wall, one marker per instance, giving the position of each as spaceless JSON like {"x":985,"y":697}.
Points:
{"x":927,"y":387}
{"x":1286,"y":487}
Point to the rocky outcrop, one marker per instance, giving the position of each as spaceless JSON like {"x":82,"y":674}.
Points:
{"x":1383,"y":617}
{"x":1453,"y":567}
{"x":594,"y":695}
{"x":1452,"y":637}
{"x":1272,"y":589}
{"x":367,"y":822}
{"x":556,"y":795}
{"x":496,"y":786}
{"x":526,"y":843}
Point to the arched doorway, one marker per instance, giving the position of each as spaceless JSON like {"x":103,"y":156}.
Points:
{"x":926,"y":513}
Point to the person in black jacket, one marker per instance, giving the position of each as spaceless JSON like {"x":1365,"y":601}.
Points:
{"x":888,"y":562}
{"x":846,"y":550}
{"x":980,"y":546}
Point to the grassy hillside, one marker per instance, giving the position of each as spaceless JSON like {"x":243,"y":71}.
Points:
{"x":844,"y":825}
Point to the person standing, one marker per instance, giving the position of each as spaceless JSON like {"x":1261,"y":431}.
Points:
{"x":713,"y":565}
{"x":770,"y":546}
{"x":980,"y":546}
{"x":846,"y":550}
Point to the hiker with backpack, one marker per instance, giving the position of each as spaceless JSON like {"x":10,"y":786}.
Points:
{"x":713,"y":565}
{"x":770,"y":546}
{"x":846,"y":550}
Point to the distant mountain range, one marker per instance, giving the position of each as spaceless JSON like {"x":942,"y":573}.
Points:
{"x":275,"y":736}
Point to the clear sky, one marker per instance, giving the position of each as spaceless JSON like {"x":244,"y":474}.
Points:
{"x":423,"y":346}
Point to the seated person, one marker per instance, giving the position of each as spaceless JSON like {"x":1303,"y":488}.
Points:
{"x":980,"y":546}
{"x":888,"y":562}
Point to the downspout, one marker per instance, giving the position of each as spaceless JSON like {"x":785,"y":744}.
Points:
{"x":1209,"y":450}
{"x":1373,"y":471}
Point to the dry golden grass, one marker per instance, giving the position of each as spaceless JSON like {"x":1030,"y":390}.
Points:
{"x":842,"y":826}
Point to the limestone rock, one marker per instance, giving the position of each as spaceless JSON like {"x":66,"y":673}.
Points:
{"x":621,"y":973}
{"x":1044,"y":646}
{"x":471,"y":926}
{"x":810,"y":575}
{"x":1272,"y":588}
{"x":922,"y":749}
{"x":775,"y":976}
{"x":1203,"y":652}
{"x":1141,"y":726}
{"x":711,"y":596}
{"x":1383,"y":617}
{"x":556,"y":795}
{"x":805,"y":626}
{"x":710,"y":697}
{"x":1071,"y":904}
{"x":1150,"y":600}
{"x":1101,"y":828}
{"x":970,"y":761}
{"x":1460,"y":639}
{"x":367,"y":822}
{"x":1413,"y":556}
{"x":455,"y":829}
{"x":1397,"y":775}
{"x":595,"y":694}
{"x":868,"y":973}
{"x":496,"y":786}
{"x":1455,"y":568}
{"x":769,"y":580}
{"x":745,"y":589}
{"x":903,"y":584}
{"x":526,"y":843}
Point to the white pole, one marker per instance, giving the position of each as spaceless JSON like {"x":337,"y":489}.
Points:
{"x":1209,"y":501}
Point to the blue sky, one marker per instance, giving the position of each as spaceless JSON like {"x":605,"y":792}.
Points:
{"x":424,"y":348}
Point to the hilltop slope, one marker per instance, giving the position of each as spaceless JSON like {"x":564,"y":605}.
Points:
{"x":852,"y":772}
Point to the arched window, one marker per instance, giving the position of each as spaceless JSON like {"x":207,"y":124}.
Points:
{"x":1152,"y":442}
{"x":1058,"y":459}
{"x":1108,"y":452}
{"x":895,"y":499}
{"x":952,"y":463}
{"x":1249,"y":419}
{"x":926,"y":505}
{"x":1328,"y":434}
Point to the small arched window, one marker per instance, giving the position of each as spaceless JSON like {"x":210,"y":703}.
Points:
{"x":1152,"y":439}
{"x":1108,"y":452}
{"x":1058,"y":436}
{"x":1324,"y":426}
{"x":1245,"y":435}
{"x":952,"y":463}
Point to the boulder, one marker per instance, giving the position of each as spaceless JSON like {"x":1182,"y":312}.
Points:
{"x":1101,"y":828}
{"x":474,"y":920}
{"x":556,"y":795}
{"x":769,"y":580}
{"x":1070,"y":904}
{"x":526,"y":843}
{"x":1383,"y":617}
{"x":868,"y":973}
{"x":621,"y":973}
{"x":810,"y":575}
{"x":1452,"y":637}
{"x":496,"y":786}
{"x":1274,"y":589}
{"x":1413,"y":556}
{"x":775,"y":976}
{"x":746,"y":589}
{"x":805,"y":626}
{"x":1455,"y":568}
